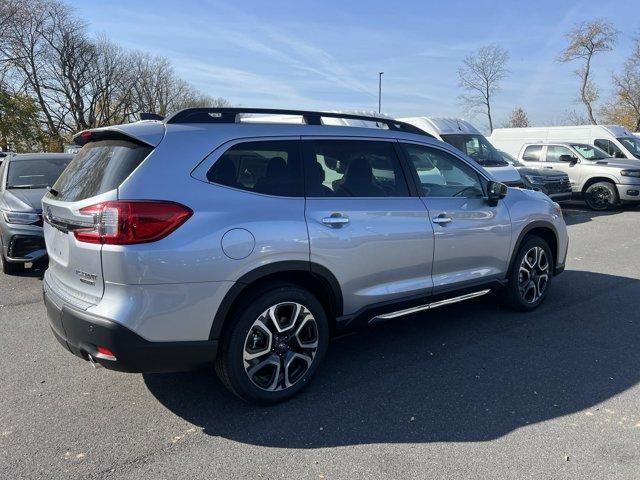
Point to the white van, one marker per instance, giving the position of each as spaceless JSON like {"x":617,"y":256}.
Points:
{"x":466,"y":138}
{"x":617,"y":141}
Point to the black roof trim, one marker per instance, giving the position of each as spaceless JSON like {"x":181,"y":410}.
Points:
{"x":150,"y":116}
{"x":231,"y":115}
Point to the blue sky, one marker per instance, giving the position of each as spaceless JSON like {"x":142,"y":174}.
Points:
{"x":326,"y":55}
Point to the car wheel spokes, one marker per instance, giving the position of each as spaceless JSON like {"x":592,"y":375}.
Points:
{"x":533,"y":275}
{"x":280,"y":346}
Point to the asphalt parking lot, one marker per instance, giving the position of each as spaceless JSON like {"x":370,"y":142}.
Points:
{"x":470,"y":391}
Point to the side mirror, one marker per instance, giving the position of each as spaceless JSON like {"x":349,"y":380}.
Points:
{"x":619,"y":155}
{"x":570,"y":159}
{"x":496,"y":191}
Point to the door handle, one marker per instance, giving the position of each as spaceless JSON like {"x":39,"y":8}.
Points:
{"x":549,"y":168}
{"x":336,"y":220}
{"x":442,"y":219}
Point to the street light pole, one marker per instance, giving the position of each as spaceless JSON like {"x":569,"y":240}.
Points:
{"x":380,"y":91}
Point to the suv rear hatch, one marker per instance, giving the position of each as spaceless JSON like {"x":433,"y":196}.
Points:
{"x":107,"y":158}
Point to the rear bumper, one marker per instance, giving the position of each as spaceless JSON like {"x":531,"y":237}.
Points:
{"x":81,"y":333}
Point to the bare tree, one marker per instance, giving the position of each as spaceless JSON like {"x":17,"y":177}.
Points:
{"x":480,"y":75}
{"x":586,"y":40}
{"x":624,"y":107}
{"x":78,"y":81}
{"x":517,"y":119}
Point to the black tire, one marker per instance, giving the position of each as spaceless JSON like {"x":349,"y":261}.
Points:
{"x":230,"y":363}
{"x":518,"y":293}
{"x":601,"y":196}
{"x":11,"y":268}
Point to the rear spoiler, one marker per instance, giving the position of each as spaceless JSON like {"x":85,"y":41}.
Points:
{"x":86,"y":136}
{"x":145,"y":133}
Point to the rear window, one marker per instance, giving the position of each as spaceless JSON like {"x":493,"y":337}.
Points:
{"x":99,"y":167}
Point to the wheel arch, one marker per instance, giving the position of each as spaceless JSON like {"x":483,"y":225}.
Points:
{"x":597,"y":179}
{"x":316,"y":278}
{"x":545,"y":230}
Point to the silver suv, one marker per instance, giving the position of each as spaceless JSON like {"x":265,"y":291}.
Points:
{"x":204,"y":238}
{"x":602,"y":181}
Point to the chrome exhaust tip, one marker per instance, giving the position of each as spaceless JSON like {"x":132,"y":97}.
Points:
{"x":93,"y":362}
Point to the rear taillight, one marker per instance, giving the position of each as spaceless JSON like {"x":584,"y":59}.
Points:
{"x":124,"y":222}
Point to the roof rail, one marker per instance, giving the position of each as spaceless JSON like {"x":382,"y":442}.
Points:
{"x":231,"y":115}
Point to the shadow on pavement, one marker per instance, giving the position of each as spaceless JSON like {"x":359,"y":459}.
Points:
{"x":575,"y":212}
{"x":471,"y":372}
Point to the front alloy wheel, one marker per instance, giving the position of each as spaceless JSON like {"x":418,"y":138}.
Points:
{"x":280,"y":346}
{"x":530,"y":275}
{"x":601,"y":196}
{"x":533,"y":275}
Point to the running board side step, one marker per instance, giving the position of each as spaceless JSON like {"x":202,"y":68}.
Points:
{"x":428,"y":306}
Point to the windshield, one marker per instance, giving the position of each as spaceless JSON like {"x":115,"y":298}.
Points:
{"x":632,"y":144}
{"x":590,"y":152}
{"x":510,"y":159}
{"x":35,"y":173}
{"x":477,"y":147}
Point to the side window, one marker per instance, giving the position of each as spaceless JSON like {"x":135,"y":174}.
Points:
{"x":555,"y":151}
{"x":532,"y":153}
{"x":353,"y":168}
{"x":609,"y":147}
{"x":442,"y":174}
{"x":269,"y":167}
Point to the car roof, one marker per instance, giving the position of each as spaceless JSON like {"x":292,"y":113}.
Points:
{"x":152,"y":132}
{"x":564,"y":144}
{"x":234,"y":122}
{"x":443,"y":125}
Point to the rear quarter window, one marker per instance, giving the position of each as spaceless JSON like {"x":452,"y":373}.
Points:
{"x":99,"y":167}
{"x":532,"y":153}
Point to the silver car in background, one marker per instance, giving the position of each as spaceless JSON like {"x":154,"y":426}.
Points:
{"x":23,"y":182}
{"x":206,"y":239}
{"x":603,"y":182}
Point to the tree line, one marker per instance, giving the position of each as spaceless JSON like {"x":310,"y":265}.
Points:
{"x":56,"y":79}
{"x":482,"y":72}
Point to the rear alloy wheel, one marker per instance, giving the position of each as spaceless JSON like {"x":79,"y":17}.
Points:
{"x":280,"y":346}
{"x":601,"y":196}
{"x":275,"y":347}
{"x":531,"y":275}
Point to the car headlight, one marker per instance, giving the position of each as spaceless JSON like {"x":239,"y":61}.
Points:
{"x":20,"y":218}
{"x":535,"y":179}
{"x":630,"y":173}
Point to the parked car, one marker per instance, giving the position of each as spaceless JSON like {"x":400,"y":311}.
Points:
{"x":555,"y":185}
{"x":23,"y":182}
{"x":603,"y":182}
{"x":466,"y":138}
{"x":617,"y":141}
{"x":204,"y":238}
